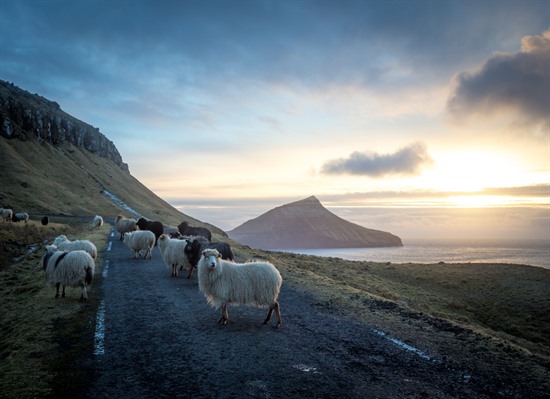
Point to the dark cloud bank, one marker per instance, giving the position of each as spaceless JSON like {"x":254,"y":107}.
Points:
{"x":517,"y":82}
{"x":406,"y":161}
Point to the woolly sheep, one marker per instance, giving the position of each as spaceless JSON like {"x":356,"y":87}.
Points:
{"x":124,"y":225}
{"x":173,"y":254}
{"x":224,"y":282}
{"x":98,"y":221}
{"x":19,"y":216}
{"x":7,"y":214}
{"x":140,"y":240}
{"x":64,"y":244}
{"x":74,"y":268}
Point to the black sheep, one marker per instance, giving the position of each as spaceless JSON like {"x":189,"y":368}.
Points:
{"x":152,"y":225}
{"x":193,"y":251}
{"x":186,"y":230}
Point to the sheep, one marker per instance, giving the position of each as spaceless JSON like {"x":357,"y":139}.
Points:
{"x":195,"y":247}
{"x":74,"y":268}
{"x":224,"y":282}
{"x":7,"y":214}
{"x":98,"y":221}
{"x":64,"y":244}
{"x":173,"y":254}
{"x":140,"y":240}
{"x":124,"y":225}
{"x":45,"y":220}
{"x":156,"y":227}
{"x":187,"y":230}
{"x":19,"y":216}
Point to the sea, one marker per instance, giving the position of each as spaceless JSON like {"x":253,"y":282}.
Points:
{"x":521,"y":252}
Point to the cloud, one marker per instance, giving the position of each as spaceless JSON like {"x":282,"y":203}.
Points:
{"x":508,"y":82}
{"x":407,"y":161}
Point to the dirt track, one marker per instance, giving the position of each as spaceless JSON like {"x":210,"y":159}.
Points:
{"x":160,"y":339}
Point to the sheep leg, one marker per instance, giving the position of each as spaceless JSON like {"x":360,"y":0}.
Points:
{"x":190,"y":272}
{"x":57,"y":290}
{"x":273,"y":307}
{"x":63,"y":293}
{"x":225,"y":317}
{"x":84,"y":295}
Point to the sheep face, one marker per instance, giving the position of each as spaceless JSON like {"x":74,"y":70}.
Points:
{"x":211,"y":256}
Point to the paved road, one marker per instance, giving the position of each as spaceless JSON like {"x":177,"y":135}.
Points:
{"x":156,"y":337}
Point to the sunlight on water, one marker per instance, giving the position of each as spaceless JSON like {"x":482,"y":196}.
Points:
{"x":529,"y":252}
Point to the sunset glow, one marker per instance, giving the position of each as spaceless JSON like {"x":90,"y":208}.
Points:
{"x":227,"y":109}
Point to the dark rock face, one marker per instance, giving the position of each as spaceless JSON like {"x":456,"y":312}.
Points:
{"x":307,"y":224}
{"x":27,"y":116}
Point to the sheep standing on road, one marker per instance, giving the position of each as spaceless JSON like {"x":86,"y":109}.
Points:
{"x":98,"y":221}
{"x":140,"y":240}
{"x":124,"y":225}
{"x":74,"y":268}
{"x":64,"y":244}
{"x":225,"y":282}
{"x":152,"y":225}
{"x":173,"y":254}
{"x":7,"y":214}
{"x":187,"y":230}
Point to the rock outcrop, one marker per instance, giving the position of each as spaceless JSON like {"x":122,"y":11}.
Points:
{"x":307,"y":224}
{"x":27,"y":116}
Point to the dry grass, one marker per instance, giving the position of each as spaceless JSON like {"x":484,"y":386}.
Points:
{"x":29,"y":310}
{"x":507,"y":302}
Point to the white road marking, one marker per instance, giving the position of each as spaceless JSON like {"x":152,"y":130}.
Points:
{"x":99,"y":341}
{"x":402,"y":344}
{"x":105,"y":270}
{"x":109,"y":246}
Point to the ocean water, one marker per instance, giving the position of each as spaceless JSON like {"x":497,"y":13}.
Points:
{"x":523,"y":252}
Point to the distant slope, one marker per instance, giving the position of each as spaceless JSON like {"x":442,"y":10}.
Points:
{"x":67,"y":174}
{"x":307,"y":224}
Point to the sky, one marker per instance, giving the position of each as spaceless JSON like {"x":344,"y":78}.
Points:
{"x":421,"y":118}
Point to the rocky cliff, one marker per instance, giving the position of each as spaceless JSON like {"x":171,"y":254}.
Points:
{"x":308,"y":224}
{"x":27,"y":116}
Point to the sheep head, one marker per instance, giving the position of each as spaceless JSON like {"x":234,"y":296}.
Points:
{"x":211,"y":256}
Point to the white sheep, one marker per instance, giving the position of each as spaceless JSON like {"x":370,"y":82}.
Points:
{"x":125,"y":225}
{"x":98,"y":221}
{"x":225,"y":282}
{"x":74,"y":268}
{"x":19,"y":216}
{"x":173,"y":254}
{"x":7,"y":214}
{"x":64,"y":244}
{"x":140,"y":240}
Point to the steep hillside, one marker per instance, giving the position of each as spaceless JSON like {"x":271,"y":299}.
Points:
{"x":308,"y":224}
{"x":67,"y":172}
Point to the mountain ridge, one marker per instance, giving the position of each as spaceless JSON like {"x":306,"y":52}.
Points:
{"x":307,"y":224}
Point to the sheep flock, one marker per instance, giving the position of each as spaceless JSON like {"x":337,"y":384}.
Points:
{"x":221,"y":280}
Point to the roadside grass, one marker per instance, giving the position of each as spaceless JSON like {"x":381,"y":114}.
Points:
{"x":510,"y":303}
{"x":30,"y":313}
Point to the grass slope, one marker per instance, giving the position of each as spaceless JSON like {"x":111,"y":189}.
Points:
{"x":39,"y":178}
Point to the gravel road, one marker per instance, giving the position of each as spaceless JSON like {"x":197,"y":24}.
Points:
{"x":156,"y":337}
